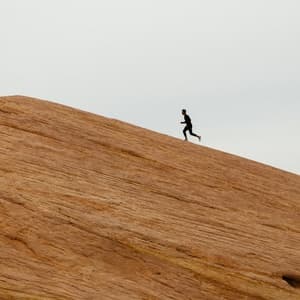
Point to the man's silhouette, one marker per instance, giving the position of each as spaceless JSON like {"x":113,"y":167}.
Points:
{"x":189,"y":126}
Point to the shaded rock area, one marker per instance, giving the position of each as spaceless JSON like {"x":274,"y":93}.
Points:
{"x":94,"y":208}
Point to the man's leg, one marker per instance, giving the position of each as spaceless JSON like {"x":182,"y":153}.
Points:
{"x":194,"y":134}
{"x":184,"y":132}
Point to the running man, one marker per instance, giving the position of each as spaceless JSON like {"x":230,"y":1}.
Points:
{"x":188,"y":127}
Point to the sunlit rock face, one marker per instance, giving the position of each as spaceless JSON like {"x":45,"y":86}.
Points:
{"x":94,"y":208}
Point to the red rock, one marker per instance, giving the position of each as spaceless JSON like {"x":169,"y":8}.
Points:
{"x":94,"y":208}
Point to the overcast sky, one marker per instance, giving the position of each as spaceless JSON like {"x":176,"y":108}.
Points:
{"x":234,"y":65}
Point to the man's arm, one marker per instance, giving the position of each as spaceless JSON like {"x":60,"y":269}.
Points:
{"x":186,"y":119}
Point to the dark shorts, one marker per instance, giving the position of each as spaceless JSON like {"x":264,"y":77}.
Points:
{"x":188,"y":128}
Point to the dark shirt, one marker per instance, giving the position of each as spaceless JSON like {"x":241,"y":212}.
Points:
{"x":188,"y":121}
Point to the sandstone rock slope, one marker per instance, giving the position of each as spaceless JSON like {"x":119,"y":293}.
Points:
{"x":94,"y":208}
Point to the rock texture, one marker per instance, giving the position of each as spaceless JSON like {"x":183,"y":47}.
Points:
{"x":93,"y":208}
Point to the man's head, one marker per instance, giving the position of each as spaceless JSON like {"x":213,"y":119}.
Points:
{"x":183,"y":112}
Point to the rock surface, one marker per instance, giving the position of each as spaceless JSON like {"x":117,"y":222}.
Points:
{"x":93,"y":208}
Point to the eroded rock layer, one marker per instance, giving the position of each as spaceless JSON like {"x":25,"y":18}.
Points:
{"x":93,"y":208}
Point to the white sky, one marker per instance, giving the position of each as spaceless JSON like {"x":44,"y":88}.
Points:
{"x":234,"y":65}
